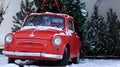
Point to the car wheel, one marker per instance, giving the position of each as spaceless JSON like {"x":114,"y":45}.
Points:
{"x":65,"y":58}
{"x":77,"y":59}
{"x":11,"y":60}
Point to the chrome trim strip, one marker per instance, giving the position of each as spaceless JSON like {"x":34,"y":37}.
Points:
{"x":32,"y":54}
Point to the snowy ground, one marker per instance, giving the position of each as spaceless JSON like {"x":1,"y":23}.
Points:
{"x":84,"y":63}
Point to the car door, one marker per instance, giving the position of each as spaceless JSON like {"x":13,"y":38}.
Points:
{"x":73,"y":38}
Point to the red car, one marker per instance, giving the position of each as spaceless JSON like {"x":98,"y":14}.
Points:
{"x":44,"y":36}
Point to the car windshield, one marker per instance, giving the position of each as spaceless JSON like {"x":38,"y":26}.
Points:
{"x":40,"y":20}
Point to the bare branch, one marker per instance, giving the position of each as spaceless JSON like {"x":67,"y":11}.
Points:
{"x":98,"y":3}
{"x":3,"y":9}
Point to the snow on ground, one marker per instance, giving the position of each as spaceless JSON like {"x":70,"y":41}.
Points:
{"x":83,"y":63}
{"x":97,"y":63}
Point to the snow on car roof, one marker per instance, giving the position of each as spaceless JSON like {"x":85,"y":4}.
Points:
{"x":50,"y":13}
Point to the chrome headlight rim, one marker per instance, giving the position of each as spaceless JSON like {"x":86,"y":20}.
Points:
{"x":56,"y":41}
{"x":9,"y":38}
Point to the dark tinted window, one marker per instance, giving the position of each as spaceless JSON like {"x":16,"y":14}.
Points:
{"x":70,"y":25}
{"x":39,"y":20}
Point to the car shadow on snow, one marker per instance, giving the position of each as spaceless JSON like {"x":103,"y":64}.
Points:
{"x":42,"y":64}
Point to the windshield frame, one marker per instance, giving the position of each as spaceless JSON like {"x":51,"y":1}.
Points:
{"x":45,"y":16}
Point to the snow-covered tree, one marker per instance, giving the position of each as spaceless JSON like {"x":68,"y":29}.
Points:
{"x":25,"y":9}
{"x":96,"y":29}
{"x":103,"y":36}
{"x":114,"y":33}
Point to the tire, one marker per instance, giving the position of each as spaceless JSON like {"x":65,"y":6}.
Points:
{"x":11,"y":60}
{"x":76,"y":60}
{"x":65,"y":58}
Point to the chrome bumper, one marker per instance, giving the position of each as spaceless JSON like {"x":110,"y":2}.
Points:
{"x":32,"y":54}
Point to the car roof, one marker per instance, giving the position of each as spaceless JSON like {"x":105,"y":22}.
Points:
{"x":50,"y":13}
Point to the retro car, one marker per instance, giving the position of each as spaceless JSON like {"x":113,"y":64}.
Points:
{"x":44,"y":36}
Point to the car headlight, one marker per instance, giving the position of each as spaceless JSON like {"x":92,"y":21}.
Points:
{"x":9,"y":38}
{"x":57,"y":41}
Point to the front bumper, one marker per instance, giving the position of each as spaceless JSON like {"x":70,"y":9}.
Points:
{"x":25,"y":54}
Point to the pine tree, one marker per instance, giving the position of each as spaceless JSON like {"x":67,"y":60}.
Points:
{"x":38,"y":4}
{"x":103,"y":36}
{"x":26,"y":8}
{"x":114,"y":33}
{"x":97,"y":29}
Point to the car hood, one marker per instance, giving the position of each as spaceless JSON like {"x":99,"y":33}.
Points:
{"x":34,"y":32}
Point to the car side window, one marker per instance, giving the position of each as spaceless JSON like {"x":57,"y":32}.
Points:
{"x":70,"y":25}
